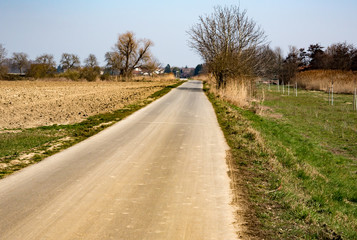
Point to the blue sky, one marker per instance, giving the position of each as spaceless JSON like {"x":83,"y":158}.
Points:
{"x":92,"y":26}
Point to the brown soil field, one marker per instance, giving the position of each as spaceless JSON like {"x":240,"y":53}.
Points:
{"x":25,"y":104}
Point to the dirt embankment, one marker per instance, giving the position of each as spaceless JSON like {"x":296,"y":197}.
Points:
{"x":25,"y":104}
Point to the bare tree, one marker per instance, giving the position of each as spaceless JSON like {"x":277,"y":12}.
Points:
{"x":20,"y":60}
{"x":151,"y":66}
{"x":129,"y":53}
{"x":229,"y":42}
{"x":265,"y":64}
{"x":46,"y":59}
{"x":44,"y":66}
{"x":290,"y":65}
{"x":340,"y":56}
{"x":114,"y":61}
{"x":70,"y":61}
{"x":3,"y":54}
{"x":91,"y":71}
{"x":3,"y":68}
{"x":91,"y":61}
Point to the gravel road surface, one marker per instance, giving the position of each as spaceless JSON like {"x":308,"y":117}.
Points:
{"x":159,"y":174}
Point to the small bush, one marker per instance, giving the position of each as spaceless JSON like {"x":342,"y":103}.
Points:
{"x":72,"y":75}
{"x":3,"y":71}
{"x":105,"y":77}
{"x":90,"y":73}
{"x":41,"y":71}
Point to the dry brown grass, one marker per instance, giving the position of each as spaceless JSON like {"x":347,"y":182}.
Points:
{"x":237,"y":91}
{"x":155,"y":78}
{"x":203,"y":77}
{"x":344,"y":81}
{"x":26,"y":104}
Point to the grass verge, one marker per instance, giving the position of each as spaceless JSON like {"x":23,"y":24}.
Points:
{"x":295,"y":187}
{"x":22,"y":147}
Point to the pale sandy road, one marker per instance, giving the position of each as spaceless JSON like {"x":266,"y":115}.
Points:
{"x":159,"y":174}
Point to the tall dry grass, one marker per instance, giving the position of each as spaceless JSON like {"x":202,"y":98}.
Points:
{"x":154,"y":78}
{"x":237,"y":91}
{"x":321,"y":80}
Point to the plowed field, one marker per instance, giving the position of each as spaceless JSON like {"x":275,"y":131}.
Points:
{"x":25,"y":104}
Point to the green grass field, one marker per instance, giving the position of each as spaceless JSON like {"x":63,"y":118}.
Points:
{"x":299,"y":163}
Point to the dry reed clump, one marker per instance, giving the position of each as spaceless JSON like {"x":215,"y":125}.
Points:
{"x":154,"y":78}
{"x":321,"y":80}
{"x":236,"y":91}
{"x":203,"y":77}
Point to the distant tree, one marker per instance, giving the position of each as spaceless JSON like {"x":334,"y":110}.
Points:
{"x":70,"y":61}
{"x":265,"y":62}
{"x":177,"y":71}
{"x":354,"y":60}
{"x":131,"y":53}
{"x":3,"y":68}
{"x":278,"y":63}
{"x":229,"y":42}
{"x":167,"y":69}
{"x":290,"y":65}
{"x":91,"y":71}
{"x":198,"y":70}
{"x":46,"y":59}
{"x":340,"y":56}
{"x":151,"y":66}
{"x":43,"y":66}
{"x":317,"y":57}
{"x":114,"y":61}
{"x":304,"y":59}
{"x":3,"y":54}
{"x":20,"y":61}
{"x":91,"y":61}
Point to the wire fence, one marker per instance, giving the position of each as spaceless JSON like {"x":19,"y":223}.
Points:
{"x":292,"y":89}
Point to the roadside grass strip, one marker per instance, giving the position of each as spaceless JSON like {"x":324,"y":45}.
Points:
{"x":298,"y":187}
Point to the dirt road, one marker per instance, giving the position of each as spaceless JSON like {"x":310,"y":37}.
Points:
{"x":159,"y":174}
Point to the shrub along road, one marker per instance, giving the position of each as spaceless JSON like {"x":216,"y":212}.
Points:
{"x":161,"y":173}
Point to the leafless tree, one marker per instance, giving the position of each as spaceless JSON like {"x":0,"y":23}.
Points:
{"x":20,"y":60}
{"x":152,"y":65}
{"x":91,"y":61}
{"x":114,"y":61}
{"x":46,"y":59}
{"x":70,"y":61}
{"x":3,"y":54}
{"x":340,"y":56}
{"x":229,"y":42}
{"x":3,"y":68}
{"x":129,"y":53}
{"x":266,"y":61}
{"x":290,"y":65}
{"x":43,"y":66}
{"x":278,"y":62}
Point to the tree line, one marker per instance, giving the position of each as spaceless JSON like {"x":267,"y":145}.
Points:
{"x":234,"y":48}
{"x":128,"y":54}
{"x":337,"y":56}
{"x":186,"y":72}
